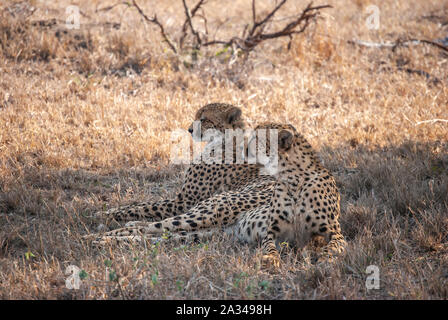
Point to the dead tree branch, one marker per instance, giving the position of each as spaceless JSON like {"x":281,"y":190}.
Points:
{"x":256,"y":34}
{"x":156,"y":22}
{"x":433,"y":43}
{"x":398,"y":43}
{"x":250,"y":37}
{"x":431,"y":121}
{"x":188,"y":22}
{"x":108,"y":8}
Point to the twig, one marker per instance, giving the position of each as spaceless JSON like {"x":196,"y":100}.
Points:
{"x":267,"y":18}
{"x":425,"y":74}
{"x":397,"y":43}
{"x":371,"y":44}
{"x":431,"y":121}
{"x":108,"y":8}
{"x":433,"y":43}
{"x":155,"y":21}
{"x":428,"y":76}
{"x":250,"y":37}
{"x":254,"y":13}
{"x":255,"y":35}
{"x":190,"y":23}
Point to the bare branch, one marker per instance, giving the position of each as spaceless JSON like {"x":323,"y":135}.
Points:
{"x":254,"y":13}
{"x":254,"y":38}
{"x":267,"y":18}
{"x":256,"y":35}
{"x":156,"y":22}
{"x":251,"y":36}
{"x":189,"y":17}
{"x":108,"y":8}
{"x":397,"y":43}
{"x":197,"y":7}
{"x":431,"y":121}
{"x":433,"y":43}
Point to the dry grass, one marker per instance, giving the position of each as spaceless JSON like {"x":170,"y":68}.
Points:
{"x":85,"y":122}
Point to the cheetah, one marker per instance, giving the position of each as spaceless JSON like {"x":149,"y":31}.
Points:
{"x":306,"y":200}
{"x":202,"y":180}
{"x":303,"y":203}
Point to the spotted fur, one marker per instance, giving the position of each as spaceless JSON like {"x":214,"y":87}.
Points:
{"x":201,"y":180}
{"x":302,"y":203}
{"x":306,"y":202}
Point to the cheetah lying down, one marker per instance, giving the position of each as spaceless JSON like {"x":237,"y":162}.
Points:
{"x":303,"y":202}
{"x":202,"y":180}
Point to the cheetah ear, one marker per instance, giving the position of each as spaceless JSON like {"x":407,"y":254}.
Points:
{"x":233,"y":114}
{"x":284,"y":139}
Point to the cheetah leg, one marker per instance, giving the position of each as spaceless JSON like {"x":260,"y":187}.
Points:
{"x":118,"y":240}
{"x":210,"y":213}
{"x":160,"y":210}
{"x":249,"y":199}
{"x":222,"y":209}
{"x":186,"y":222}
{"x":335,"y":246}
{"x":150,"y":211}
{"x":281,"y":217}
{"x":336,"y":241}
{"x":271,"y":257}
{"x":184,"y":201}
{"x":181,"y":237}
{"x":192,"y":236}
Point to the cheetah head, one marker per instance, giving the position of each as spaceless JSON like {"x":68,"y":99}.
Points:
{"x":216,"y":117}
{"x":275,"y":146}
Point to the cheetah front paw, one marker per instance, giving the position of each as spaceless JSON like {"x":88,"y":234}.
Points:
{"x":101,"y":242}
{"x":116,"y":240}
{"x":96,"y":240}
{"x":90,"y":236}
{"x":270,"y":261}
{"x":325,"y":258}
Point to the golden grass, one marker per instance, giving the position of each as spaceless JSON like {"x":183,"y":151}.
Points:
{"x":85,"y":122}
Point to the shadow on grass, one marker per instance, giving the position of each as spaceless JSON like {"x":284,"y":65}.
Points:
{"x":394,"y":205}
